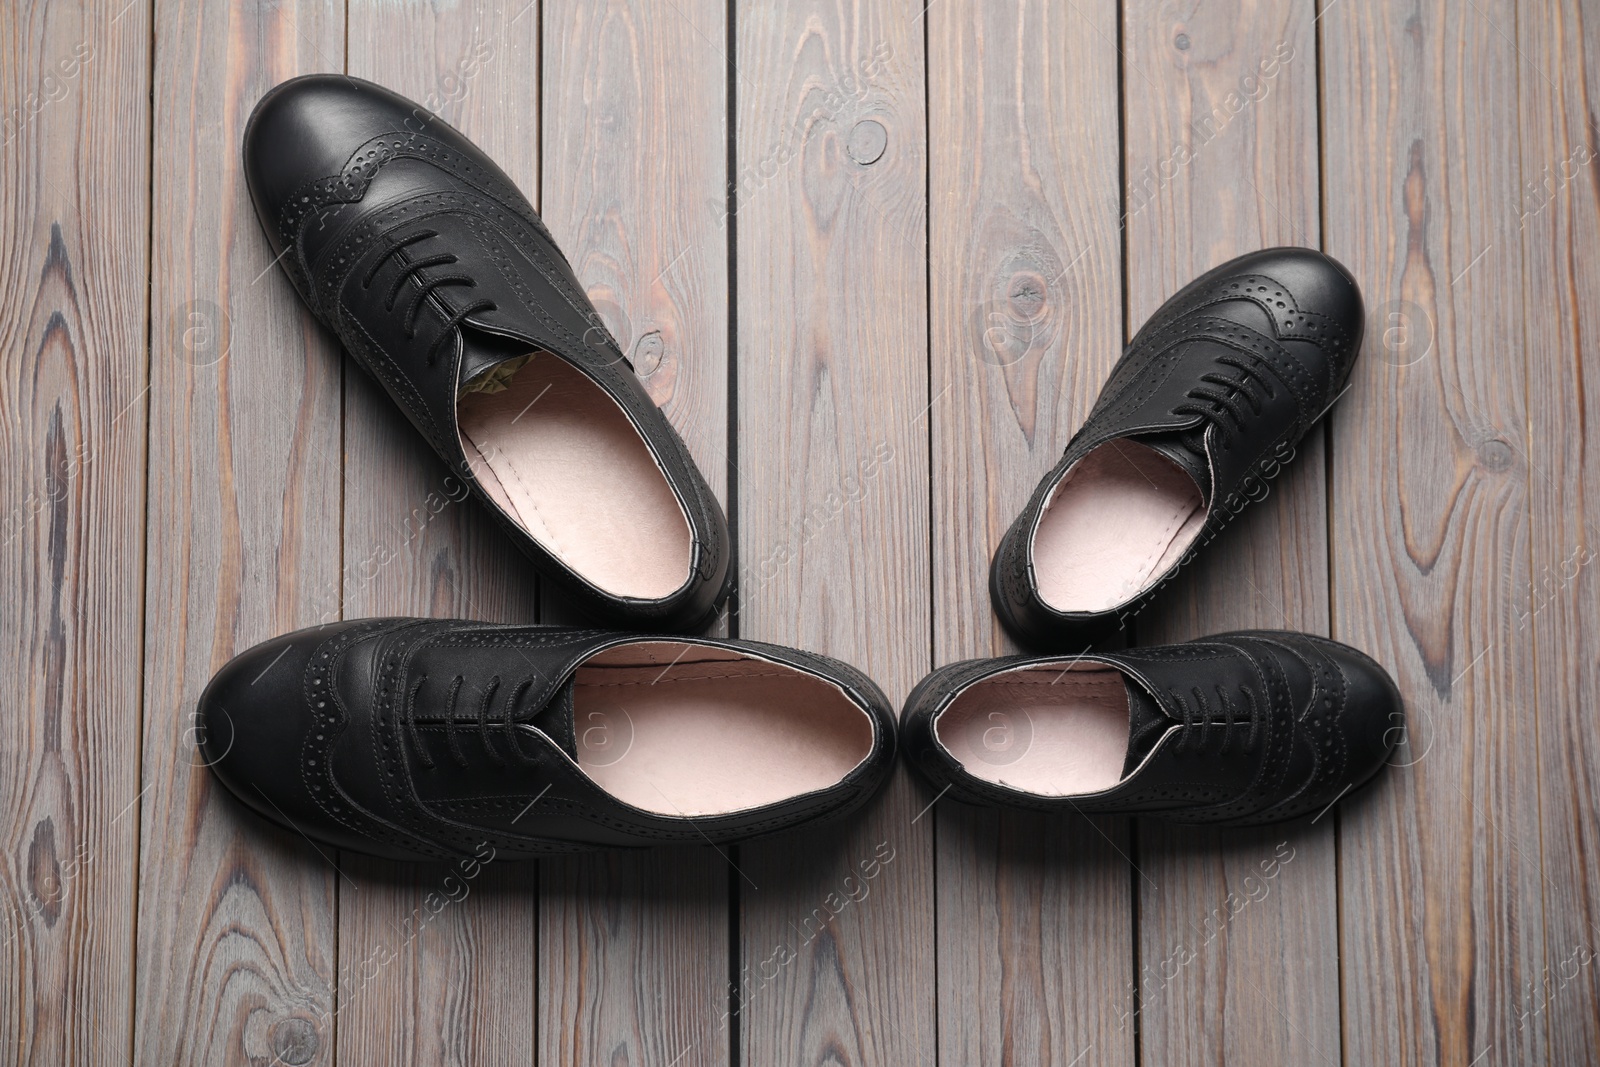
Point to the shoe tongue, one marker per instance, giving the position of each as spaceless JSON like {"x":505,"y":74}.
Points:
{"x":1146,"y":723}
{"x":1186,"y":448}
{"x":488,"y":360}
{"x":556,"y":721}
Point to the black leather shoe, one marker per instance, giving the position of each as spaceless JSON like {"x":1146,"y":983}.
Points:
{"x":1199,"y":415}
{"x":1241,"y":728}
{"x":435,"y":273}
{"x":426,"y":738}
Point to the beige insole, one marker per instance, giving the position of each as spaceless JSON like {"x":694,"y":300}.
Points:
{"x":1046,"y":730}
{"x":1119,"y":519}
{"x":562,"y":459}
{"x":710,"y":732}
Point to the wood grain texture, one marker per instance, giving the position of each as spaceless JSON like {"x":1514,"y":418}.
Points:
{"x":162,"y":386}
{"x":1559,"y":219}
{"x":457,"y":983}
{"x":1441,"y":912}
{"x":75,"y":121}
{"x":236,"y":917}
{"x":1035,"y":914}
{"x":835,"y":966}
{"x":1238,"y":929}
{"x":634,"y":947}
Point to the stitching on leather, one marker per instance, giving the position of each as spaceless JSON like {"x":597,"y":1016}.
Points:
{"x":366,"y":823}
{"x":350,"y":185}
{"x":396,"y":379}
{"x":528,"y":497}
{"x":1162,"y":543}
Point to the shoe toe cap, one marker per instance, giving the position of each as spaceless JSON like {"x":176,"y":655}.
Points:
{"x":1313,"y":283}
{"x":1374,"y":714}
{"x":252,"y":721}
{"x":308,"y":128}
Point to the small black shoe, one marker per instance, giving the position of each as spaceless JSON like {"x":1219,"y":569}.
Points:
{"x":1242,"y":728}
{"x":1199,"y":415}
{"x":439,"y":278}
{"x":426,"y":738}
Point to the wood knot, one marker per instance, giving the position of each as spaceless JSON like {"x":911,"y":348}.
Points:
{"x":1017,"y":320}
{"x":648,"y":352}
{"x":868,"y":139}
{"x":295,"y":1041}
{"x":1027,"y":292}
{"x":44,"y":872}
{"x":1494,"y":455}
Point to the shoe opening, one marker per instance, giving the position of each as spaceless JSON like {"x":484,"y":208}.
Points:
{"x":1053,"y":730}
{"x":566,"y":464}
{"x":680,"y":729}
{"x":1119,"y":519}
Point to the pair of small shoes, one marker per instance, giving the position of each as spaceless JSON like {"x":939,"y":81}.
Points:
{"x":419,"y":738}
{"x":1204,"y":409}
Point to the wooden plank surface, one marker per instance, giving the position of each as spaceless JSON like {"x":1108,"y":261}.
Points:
{"x":1558,"y":214}
{"x":1237,"y":926}
{"x":833,"y":490}
{"x":75,"y":121}
{"x":634,"y":946}
{"x":1441,"y":910}
{"x":236,"y":918}
{"x":1035,"y":914}
{"x":460,"y":987}
{"x":923,"y":287}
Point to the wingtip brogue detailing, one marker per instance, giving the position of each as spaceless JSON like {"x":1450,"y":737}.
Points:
{"x":349,"y":186}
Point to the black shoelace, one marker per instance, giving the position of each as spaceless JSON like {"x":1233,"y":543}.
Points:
{"x":425,"y":288}
{"x":1214,"y":403}
{"x":1199,"y":719}
{"x":485,"y":724}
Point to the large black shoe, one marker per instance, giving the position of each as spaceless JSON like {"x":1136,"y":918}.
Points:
{"x":1241,"y":728}
{"x":435,"y":273}
{"x":1199,"y":415}
{"x":425,"y":738}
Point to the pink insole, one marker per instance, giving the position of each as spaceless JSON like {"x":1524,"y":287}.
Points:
{"x":1045,"y":730}
{"x":562,"y":460}
{"x":1119,"y":519}
{"x":712,"y":732}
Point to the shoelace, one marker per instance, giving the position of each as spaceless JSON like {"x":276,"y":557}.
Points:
{"x":1198,"y":720}
{"x":1211,"y":404}
{"x":507,"y":723}
{"x":425,"y":287}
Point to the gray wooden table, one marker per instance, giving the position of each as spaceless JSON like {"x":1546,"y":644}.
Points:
{"x":874,"y":260}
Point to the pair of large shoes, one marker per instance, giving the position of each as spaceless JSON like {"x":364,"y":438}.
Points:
{"x":415,"y":738}
{"x":1204,"y":409}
